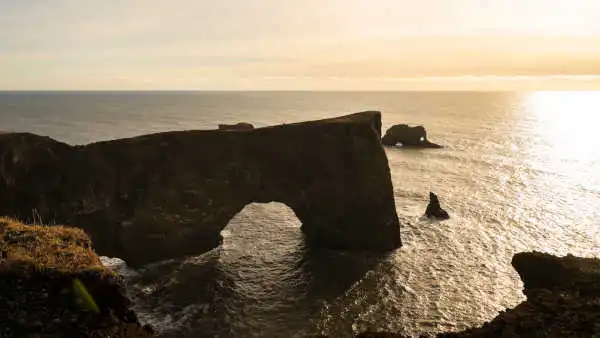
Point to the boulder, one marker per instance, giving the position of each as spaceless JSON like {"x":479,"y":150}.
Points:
{"x":558,"y":274}
{"x":167,"y":195}
{"x":407,"y":137}
{"x":39,"y":266}
{"x":434,"y":209}
{"x":237,"y":126}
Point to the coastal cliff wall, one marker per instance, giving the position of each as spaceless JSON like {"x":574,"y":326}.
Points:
{"x":170,"y":194}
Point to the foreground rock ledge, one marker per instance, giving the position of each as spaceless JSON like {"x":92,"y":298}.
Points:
{"x":166,"y":195}
{"x":563,"y":300}
{"x":37,"y":268}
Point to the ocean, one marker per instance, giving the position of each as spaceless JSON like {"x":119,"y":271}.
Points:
{"x":519,"y":172}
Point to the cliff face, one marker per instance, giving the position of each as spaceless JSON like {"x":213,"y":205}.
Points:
{"x":38,"y":266}
{"x":170,"y":194}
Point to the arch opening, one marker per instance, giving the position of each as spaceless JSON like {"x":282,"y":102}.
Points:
{"x":263,"y":226}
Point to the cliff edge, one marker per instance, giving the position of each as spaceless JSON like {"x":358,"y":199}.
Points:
{"x":167,"y":195}
{"x":43,"y":271}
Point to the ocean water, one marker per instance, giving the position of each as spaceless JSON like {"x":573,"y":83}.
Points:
{"x":519,"y":172}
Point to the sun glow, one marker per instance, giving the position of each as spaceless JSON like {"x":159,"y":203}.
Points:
{"x":564,"y":126}
{"x":568,"y":121}
{"x":306,"y":45}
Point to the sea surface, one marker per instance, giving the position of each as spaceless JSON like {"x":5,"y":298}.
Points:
{"x":519,"y":172}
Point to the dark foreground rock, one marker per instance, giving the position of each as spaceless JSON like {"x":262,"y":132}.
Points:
{"x":237,"y":126}
{"x":408,"y":137}
{"x":37,"y":267}
{"x":434,"y":209}
{"x":563,"y":300}
{"x":166,"y":195}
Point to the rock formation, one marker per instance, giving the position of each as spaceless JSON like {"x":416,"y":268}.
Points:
{"x":166,"y":195}
{"x":237,"y":126}
{"x":407,"y":137}
{"x":38,"y":266}
{"x":434,"y":209}
{"x":563,"y":300}
{"x":565,"y":274}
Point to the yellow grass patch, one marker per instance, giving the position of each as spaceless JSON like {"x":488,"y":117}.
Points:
{"x":53,"y":247}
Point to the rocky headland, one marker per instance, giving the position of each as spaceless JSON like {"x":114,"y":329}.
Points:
{"x":42,"y":272}
{"x":406,"y":136}
{"x":167,"y":195}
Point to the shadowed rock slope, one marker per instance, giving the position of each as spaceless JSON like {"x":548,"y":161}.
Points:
{"x":166,"y":195}
{"x":38,"y":265}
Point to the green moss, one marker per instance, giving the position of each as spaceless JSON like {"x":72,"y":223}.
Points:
{"x":83,"y":296}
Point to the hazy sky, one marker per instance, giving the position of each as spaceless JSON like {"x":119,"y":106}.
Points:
{"x":308,"y":44}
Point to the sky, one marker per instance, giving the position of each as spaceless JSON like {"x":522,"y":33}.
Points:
{"x":299,"y":45}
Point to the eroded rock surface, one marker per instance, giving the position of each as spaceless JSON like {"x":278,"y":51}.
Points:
{"x":407,"y":136}
{"x":38,"y":265}
{"x":170,"y":194}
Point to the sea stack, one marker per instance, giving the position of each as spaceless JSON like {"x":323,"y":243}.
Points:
{"x":434,"y":209}
{"x":407,"y":136}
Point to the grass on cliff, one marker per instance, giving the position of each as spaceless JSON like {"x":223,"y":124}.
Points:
{"x":59,"y":248}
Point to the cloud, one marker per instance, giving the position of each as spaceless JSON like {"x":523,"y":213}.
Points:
{"x":70,"y":43}
{"x":480,"y":78}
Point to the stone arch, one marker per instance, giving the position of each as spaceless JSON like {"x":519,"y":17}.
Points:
{"x":166,"y":195}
